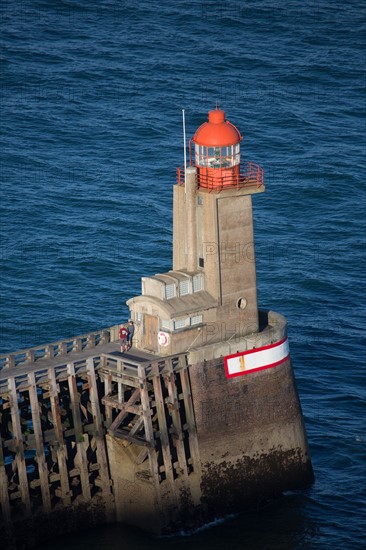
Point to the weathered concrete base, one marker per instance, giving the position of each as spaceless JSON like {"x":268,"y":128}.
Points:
{"x":29,"y":533}
{"x":251,"y":436}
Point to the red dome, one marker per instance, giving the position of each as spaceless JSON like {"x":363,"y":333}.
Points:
{"x":217,"y":132}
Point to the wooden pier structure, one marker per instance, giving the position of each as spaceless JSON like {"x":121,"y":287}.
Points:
{"x":59,"y":402}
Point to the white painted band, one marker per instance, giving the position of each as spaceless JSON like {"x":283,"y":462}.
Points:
{"x":256,"y":359}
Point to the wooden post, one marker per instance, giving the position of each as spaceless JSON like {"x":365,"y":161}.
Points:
{"x":40,"y":456}
{"x":120,"y":368}
{"x":80,"y":459}
{"x":90,"y":341}
{"x":77,"y":345}
{"x":19,"y":446}
{"x":62,"y":348}
{"x":104,"y":337}
{"x":4,"y":494}
{"x":10,"y":362}
{"x":164,"y":436}
{"x":49,"y":351}
{"x":191,"y":423}
{"x":30,"y":356}
{"x":61,"y":447}
{"x":149,"y":434}
{"x":99,"y":436}
{"x":173,"y":406}
{"x":107,"y":390}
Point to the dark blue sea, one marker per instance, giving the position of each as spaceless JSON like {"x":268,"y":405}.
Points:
{"x":91,"y":102}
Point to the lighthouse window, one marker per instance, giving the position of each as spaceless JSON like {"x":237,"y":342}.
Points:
{"x":217,"y":157}
{"x":196,"y":320}
{"x":201,"y":155}
{"x":165,"y":324}
{"x":237,"y":154}
{"x":197,"y":283}
{"x":184,"y":288}
{"x":179,"y":323}
{"x":170,"y":291}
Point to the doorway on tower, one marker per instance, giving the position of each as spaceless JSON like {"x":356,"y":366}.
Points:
{"x":151,"y":333}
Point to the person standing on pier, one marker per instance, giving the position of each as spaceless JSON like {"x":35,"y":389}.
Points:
{"x":131,"y":332}
{"x":123,"y":333}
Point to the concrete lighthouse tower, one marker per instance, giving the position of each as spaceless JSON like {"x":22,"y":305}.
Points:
{"x":210,"y":295}
{"x":213,"y":226}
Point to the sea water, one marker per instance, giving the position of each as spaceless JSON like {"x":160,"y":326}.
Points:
{"x":91,"y":100}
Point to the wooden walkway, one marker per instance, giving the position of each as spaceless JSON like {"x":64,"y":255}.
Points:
{"x":112,"y":348}
{"x":58,"y":356}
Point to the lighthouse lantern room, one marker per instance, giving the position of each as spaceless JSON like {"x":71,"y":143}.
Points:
{"x":217,"y":152}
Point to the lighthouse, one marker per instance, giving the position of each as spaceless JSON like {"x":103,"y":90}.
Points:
{"x":210,"y":295}
{"x":242,"y":434}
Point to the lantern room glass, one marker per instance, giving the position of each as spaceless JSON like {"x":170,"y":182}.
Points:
{"x":217,"y":157}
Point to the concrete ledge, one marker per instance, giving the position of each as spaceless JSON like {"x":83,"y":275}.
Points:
{"x":274,"y":331}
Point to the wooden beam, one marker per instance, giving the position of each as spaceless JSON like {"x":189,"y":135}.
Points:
{"x":137,"y":426}
{"x":19,"y":446}
{"x":141,"y":457}
{"x":136,"y":440}
{"x":191,"y":422}
{"x":99,"y":436}
{"x":61,"y":450}
{"x":113,"y":402}
{"x":149,"y":433}
{"x":124,"y":412}
{"x":80,"y":458}
{"x":127,"y":380}
{"x":173,"y":406}
{"x":4,"y":493}
{"x":107,"y":390}
{"x":164,"y":436}
{"x":120,"y":368}
{"x":40,"y":456}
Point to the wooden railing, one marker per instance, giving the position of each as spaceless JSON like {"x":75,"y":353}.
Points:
{"x":60,"y":348}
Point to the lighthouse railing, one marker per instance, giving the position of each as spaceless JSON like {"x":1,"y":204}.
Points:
{"x":251,"y":175}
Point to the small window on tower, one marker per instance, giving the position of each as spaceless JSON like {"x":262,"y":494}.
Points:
{"x":184,"y":288}
{"x":197,"y":283}
{"x":201,"y":262}
{"x":170,"y":291}
{"x":179,"y":323}
{"x":165,"y":324}
{"x":196,"y":320}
